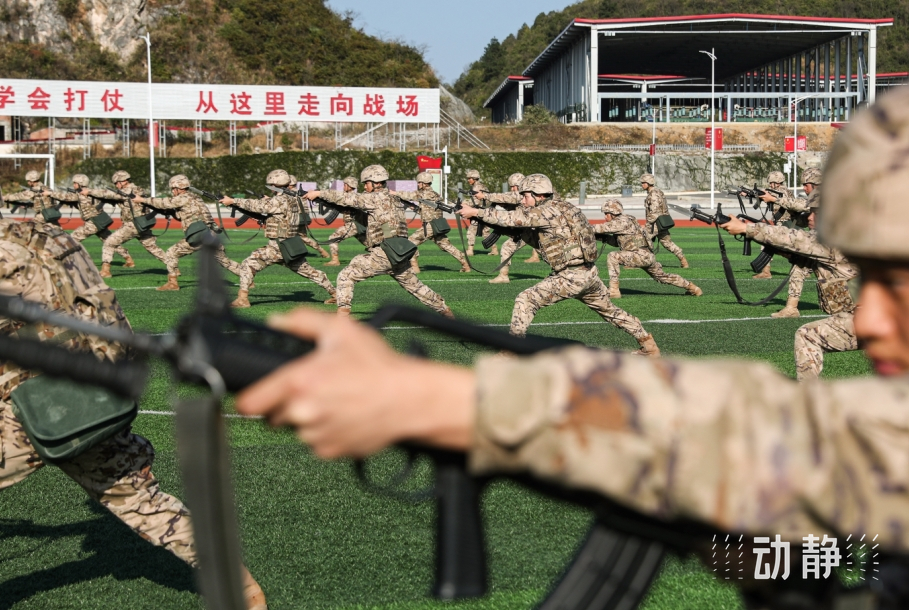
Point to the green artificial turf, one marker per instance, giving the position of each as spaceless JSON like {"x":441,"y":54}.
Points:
{"x":312,"y":536}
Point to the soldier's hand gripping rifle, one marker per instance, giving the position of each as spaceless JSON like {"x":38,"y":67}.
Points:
{"x":245,"y":215}
{"x":166,"y":213}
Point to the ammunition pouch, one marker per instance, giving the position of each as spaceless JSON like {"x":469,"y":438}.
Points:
{"x":102,"y":220}
{"x":292,"y":249}
{"x":664,"y":222}
{"x":439,"y":227}
{"x":51,"y":215}
{"x":195,"y":233}
{"x":64,"y":419}
{"x":399,"y":250}
{"x":145,"y":223}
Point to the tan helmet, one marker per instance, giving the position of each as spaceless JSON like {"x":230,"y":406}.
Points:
{"x":516,"y":179}
{"x":33,"y":176}
{"x":538,"y":184}
{"x":120,"y":176}
{"x":277,"y":177}
{"x":351,"y":182}
{"x":776,"y":178}
{"x":80,"y":179}
{"x":479,"y":187}
{"x":649,"y":179}
{"x":812,"y":175}
{"x":472,"y":173}
{"x":179,"y":182}
{"x":293,"y":179}
{"x":374,"y":173}
{"x":613,"y":206}
{"x":424,"y":177}
{"x":863,"y":215}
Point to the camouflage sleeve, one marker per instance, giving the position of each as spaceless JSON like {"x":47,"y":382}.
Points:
{"x":504,"y":198}
{"x":792,"y":203}
{"x":26,"y":195}
{"x":268,"y":205}
{"x":514,"y":218}
{"x":356,"y":201}
{"x":63,"y":196}
{"x":164,"y":203}
{"x":411,"y":195}
{"x":103,"y":194}
{"x":735,"y":444}
{"x":791,"y":240}
{"x":618,"y":226}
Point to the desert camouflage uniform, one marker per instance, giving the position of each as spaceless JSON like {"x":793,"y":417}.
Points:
{"x":282,"y":222}
{"x":347,"y":230}
{"x":635,"y":251}
{"x":427,"y":215}
{"x":834,"y":271}
{"x":43,"y":264}
{"x":473,"y":225}
{"x":383,"y":217}
{"x":32,"y":195}
{"x":87,"y":211}
{"x":510,"y":201}
{"x":128,"y":230}
{"x":654,"y":207}
{"x":748,"y":451}
{"x":557,"y":230}
{"x":190,"y":208}
{"x":794,"y":214}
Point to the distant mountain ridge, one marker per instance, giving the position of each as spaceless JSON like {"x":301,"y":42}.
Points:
{"x":513,"y":54}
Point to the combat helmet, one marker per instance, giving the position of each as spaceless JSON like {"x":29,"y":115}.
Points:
{"x":424,"y":177}
{"x":516,"y":179}
{"x":278,"y":177}
{"x":120,"y":176}
{"x":80,"y":179}
{"x":472,"y":173}
{"x":538,"y":184}
{"x":351,"y":182}
{"x":179,"y":182}
{"x":863,"y":214}
{"x":649,"y":179}
{"x":613,"y":206}
{"x":374,"y":173}
{"x":812,"y":175}
{"x":33,"y":176}
{"x":776,"y":177}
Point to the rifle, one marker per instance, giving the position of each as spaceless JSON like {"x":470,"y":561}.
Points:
{"x":246,"y":214}
{"x":169,"y":214}
{"x":99,"y":205}
{"x":15,"y":205}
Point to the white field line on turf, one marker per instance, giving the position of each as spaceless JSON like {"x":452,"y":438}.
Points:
{"x":657,"y":321}
{"x":229,"y":415}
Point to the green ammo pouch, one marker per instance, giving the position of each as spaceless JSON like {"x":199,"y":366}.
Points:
{"x":398,"y":250}
{"x":664,"y":222}
{"x":145,"y":223}
{"x":195,"y":233}
{"x":102,"y":220}
{"x":439,"y":227}
{"x":51,"y":215}
{"x":292,"y":248}
{"x":63,"y":418}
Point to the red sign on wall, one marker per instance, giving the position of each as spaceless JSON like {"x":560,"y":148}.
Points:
{"x":803,"y":143}
{"x":710,"y":139}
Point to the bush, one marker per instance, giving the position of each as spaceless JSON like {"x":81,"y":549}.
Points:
{"x":537,"y":114}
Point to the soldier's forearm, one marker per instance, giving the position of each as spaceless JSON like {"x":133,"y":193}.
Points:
{"x":790,"y":240}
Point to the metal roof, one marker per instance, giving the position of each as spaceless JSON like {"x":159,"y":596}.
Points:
{"x":671,"y":44}
{"x":506,"y":84}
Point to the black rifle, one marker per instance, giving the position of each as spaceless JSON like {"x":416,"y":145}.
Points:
{"x":15,"y":205}
{"x":99,"y":203}
{"x":166,"y":213}
{"x":245,"y":215}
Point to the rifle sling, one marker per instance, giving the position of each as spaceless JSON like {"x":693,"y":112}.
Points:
{"x":730,"y":277}
{"x":458,"y":220}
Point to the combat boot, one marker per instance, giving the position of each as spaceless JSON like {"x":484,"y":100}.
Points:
{"x":764,"y":274}
{"x":105,"y":270}
{"x":255,"y":597}
{"x":332,"y":300}
{"x":242,"y":300}
{"x":614,"y":292}
{"x":171,"y":284}
{"x":534,"y":258}
{"x":130,"y":263}
{"x":684,"y":262}
{"x":448,"y":313}
{"x":344,"y":312}
{"x":494,"y":251}
{"x":790,"y":311}
{"x":414,"y":265}
{"x":469,"y":250}
{"x":323,"y":253}
{"x":334,"y":262}
{"x":465,"y":268}
{"x":648,"y":347}
{"x":694,"y":290}
{"x":502,"y":278}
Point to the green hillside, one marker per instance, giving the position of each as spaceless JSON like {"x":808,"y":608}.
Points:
{"x":514,"y":53}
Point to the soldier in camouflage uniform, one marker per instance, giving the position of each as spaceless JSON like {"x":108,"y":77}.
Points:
{"x":834,"y":272}
{"x":636,"y":251}
{"x":282,"y":222}
{"x":33,"y":196}
{"x":88,"y":210}
{"x":190,"y":209}
{"x":128,"y":231}
{"x":347,"y":230}
{"x":427,"y":215}
{"x":383,"y":218}
{"x":476,"y":185}
{"x":41,"y":263}
{"x":729,"y":443}
{"x":566,"y":242}
{"x":309,"y":241}
{"x":654,"y":207}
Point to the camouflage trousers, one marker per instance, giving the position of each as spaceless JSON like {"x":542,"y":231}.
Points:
{"x":373,"y":263}
{"x":665,"y":240}
{"x":89,"y":228}
{"x":813,"y":340}
{"x":182,"y":248}
{"x":582,"y":283}
{"x":508,"y":249}
{"x":124,"y":234}
{"x":642,"y":259}
{"x":797,"y":280}
{"x":472,"y":233}
{"x":271,"y":255}
{"x":309,"y":241}
{"x":421,"y":235}
{"x":117,"y":474}
{"x":340,"y":235}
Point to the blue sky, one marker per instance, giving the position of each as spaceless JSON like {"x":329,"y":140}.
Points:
{"x":453,"y":34}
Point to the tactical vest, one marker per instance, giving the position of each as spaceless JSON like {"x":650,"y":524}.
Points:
{"x":571,"y":240}
{"x":283,"y":224}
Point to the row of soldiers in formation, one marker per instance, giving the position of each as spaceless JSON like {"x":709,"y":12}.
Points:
{"x":531,"y":213}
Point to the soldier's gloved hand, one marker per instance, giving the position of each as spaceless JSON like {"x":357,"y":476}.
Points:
{"x":736,"y":226}
{"x":353,"y":395}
